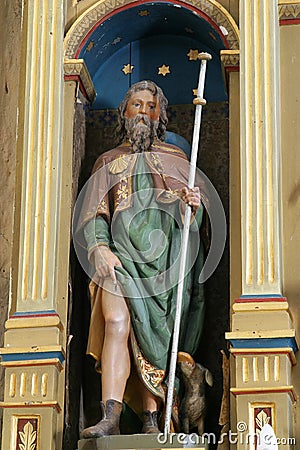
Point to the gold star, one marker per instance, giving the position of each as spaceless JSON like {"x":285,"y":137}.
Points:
{"x":193,"y":55}
{"x":144,"y":13}
{"x":90,"y":46}
{"x":195,"y":92}
{"x":163,"y":70}
{"x":127,"y":69}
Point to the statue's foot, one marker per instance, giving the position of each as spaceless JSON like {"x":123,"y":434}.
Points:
{"x":109,"y":424}
{"x":150,"y":420}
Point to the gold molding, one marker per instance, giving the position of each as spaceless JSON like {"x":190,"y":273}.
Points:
{"x":76,"y":68}
{"x":265,"y":390}
{"x":33,"y":363}
{"x":33,"y":322}
{"x":33,"y":350}
{"x":82,"y":26}
{"x":263,"y":351}
{"x":230,"y":58}
{"x":31,"y":404}
{"x":260,"y":306}
{"x":260,"y":334}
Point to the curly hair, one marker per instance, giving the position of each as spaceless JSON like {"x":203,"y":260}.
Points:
{"x":156,"y":91}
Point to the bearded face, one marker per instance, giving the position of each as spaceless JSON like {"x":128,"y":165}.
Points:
{"x":141,"y":132}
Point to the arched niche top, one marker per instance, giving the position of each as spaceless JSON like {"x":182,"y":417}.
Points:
{"x":84,"y":25}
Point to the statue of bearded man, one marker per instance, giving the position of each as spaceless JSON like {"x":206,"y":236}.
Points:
{"x":132,"y":221}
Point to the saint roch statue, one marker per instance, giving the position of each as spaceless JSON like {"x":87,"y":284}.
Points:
{"x":131,"y":224}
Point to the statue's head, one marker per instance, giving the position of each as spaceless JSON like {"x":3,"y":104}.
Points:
{"x":142,"y":115}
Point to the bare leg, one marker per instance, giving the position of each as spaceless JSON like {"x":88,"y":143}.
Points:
{"x":149,"y":401}
{"x":151,"y":413}
{"x":115,"y":361}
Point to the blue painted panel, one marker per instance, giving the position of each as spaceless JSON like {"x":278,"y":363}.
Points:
{"x":110,"y":81}
{"x":32,"y":356}
{"x":265,"y":343}
{"x":142,"y":21}
{"x":154,"y":52}
{"x":148,"y":36}
{"x":47,"y":312}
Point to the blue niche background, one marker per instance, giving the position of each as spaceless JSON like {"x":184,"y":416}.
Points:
{"x":139,"y":42}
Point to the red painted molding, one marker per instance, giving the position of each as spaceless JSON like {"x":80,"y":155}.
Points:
{"x":284,"y":22}
{"x":260,"y":299}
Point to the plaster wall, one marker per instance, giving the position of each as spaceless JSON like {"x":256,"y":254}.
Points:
{"x":10,"y":38}
{"x":290,"y":138}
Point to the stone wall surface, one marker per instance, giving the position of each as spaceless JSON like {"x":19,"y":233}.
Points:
{"x":10,"y":37}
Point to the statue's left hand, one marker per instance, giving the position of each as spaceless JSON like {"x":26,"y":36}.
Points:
{"x":191,"y":197}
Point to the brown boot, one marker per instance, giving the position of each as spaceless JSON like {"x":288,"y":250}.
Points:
{"x":109,"y":424}
{"x":150,"y":422}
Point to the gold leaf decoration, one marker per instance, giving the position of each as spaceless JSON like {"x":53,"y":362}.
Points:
{"x":27,"y":437}
{"x":262,"y":419}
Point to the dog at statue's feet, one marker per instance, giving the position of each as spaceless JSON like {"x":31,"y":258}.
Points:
{"x":193,"y":405}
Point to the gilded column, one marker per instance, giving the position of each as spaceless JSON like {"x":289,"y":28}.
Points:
{"x":34,"y":342}
{"x":262,"y":337}
{"x":41,"y":168}
{"x":260,"y":158}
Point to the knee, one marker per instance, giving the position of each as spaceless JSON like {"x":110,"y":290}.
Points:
{"x":117,"y":326}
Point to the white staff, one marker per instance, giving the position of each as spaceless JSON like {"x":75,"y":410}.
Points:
{"x":199,"y":102}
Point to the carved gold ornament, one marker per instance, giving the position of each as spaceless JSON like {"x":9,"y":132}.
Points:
{"x":27,"y":437}
{"x":290,"y":10}
{"x":150,"y":373}
{"x":262,"y":419}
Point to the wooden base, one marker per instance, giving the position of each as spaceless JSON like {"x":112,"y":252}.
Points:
{"x":144,"y":441}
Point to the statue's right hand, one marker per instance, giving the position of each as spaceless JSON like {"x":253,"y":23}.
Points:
{"x":105,"y":262}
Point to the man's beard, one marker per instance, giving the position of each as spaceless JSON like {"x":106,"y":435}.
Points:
{"x":141,"y":132}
